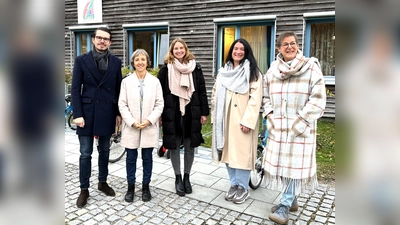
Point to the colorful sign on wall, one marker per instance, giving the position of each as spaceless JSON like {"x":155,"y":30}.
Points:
{"x":90,"y":11}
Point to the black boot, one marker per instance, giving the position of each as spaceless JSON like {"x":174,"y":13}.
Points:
{"x":130,"y":193}
{"x":146,"y":196}
{"x":186,"y":184}
{"x":180,"y":189}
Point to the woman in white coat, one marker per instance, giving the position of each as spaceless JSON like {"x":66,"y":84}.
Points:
{"x":140,"y":104}
{"x":235,"y":109}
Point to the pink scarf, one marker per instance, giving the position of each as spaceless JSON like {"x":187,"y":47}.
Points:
{"x":181,"y":81}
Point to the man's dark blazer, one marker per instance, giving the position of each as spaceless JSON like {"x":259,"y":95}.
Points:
{"x":95,"y":97}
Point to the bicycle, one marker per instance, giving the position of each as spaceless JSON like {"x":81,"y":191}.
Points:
{"x":116,"y":150}
{"x":68,"y":112}
{"x":257,"y":175}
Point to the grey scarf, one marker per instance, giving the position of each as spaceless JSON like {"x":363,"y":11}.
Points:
{"x":101,"y":60}
{"x":235,"y":80}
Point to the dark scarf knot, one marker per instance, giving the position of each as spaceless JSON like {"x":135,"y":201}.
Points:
{"x":101,"y":60}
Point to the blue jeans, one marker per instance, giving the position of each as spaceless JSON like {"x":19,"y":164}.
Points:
{"x":147,"y":159}
{"x":238,"y":177}
{"x":85,"y":159}
{"x":288,"y":195}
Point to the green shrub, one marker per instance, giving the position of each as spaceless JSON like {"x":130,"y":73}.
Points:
{"x":126,"y":70}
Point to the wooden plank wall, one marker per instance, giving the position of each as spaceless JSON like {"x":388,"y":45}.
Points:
{"x":197,"y":15}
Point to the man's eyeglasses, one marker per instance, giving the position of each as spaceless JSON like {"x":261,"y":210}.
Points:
{"x":286,"y":45}
{"x":98,"y":38}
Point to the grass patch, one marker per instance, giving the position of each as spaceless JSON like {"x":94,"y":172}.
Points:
{"x":326,"y":151}
{"x":325,"y":148}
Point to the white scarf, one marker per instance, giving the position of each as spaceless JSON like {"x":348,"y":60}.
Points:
{"x":180,"y":80}
{"x":295,"y":67}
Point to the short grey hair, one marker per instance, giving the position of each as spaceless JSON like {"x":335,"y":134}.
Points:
{"x":285,"y":34}
{"x":138,"y":52}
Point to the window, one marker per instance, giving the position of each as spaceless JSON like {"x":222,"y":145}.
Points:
{"x":258,"y":31}
{"x":319,"y":40}
{"x":83,"y":40}
{"x":152,"y":37}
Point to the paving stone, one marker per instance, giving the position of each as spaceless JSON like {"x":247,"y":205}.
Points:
{"x":256,"y":220}
{"x":245,"y":217}
{"x":113,"y":218}
{"x":305,"y":218}
{"x":321,"y":213}
{"x":121,"y":222}
{"x":100,"y":217}
{"x":312,"y":209}
{"x":90,"y":222}
{"x":307,"y":213}
{"x":230,"y":218}
{"x":321,"y":219}
{"x":75,"y":222}
{"x":85,"y":217}
{"x":156,"y":220}
{"x":316,"y":223}
{"x":323,"y":209}
{"x":239,"y":222}
{"x":197,"y":221}
{"x":300,"y":222}
{"x":129,"y":217}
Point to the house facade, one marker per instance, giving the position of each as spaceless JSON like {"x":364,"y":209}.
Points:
{"x":208,"y":27}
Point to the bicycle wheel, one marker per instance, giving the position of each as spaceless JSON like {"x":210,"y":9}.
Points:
{"x":71,"y":123}
{"x":116,"y":150}
{"x":256,"y":175}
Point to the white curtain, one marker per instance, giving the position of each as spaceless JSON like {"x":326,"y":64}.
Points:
{"x":257,"y":38}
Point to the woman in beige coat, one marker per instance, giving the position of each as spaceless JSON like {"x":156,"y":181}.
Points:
{"x":235,"y":106}
{"x":140,"y":103}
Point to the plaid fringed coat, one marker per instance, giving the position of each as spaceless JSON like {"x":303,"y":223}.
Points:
{"x":294,"y":98}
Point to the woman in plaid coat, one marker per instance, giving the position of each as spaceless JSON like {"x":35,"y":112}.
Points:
{"x":294,"y":98}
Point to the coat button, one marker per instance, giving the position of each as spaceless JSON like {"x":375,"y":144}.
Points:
{"x":235,"y":105}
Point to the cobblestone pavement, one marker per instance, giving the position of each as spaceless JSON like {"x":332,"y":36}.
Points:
{"x":206,"y":205}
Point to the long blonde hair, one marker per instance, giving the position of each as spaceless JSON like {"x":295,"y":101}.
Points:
{"x":169,"y":57}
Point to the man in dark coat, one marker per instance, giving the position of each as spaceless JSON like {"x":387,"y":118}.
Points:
{"x":95,"y":90}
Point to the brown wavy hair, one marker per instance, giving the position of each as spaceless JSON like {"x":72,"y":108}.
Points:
{"x":169,"y":58}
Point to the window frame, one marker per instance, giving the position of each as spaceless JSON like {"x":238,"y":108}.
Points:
{"x":74,"y":38}
{"x":129,"y":30}
{"x":315,"y":18}
{"x":238,"y":22}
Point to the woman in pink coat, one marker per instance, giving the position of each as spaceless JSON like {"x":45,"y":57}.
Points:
{"x":141,"y":103}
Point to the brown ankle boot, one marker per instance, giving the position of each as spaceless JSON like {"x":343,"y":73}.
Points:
{"x":82,"y":199}
{"x":103,"y":186}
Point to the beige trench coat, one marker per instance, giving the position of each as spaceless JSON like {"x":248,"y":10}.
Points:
{"x":240,"y":149}
{"x":129,"y":107}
